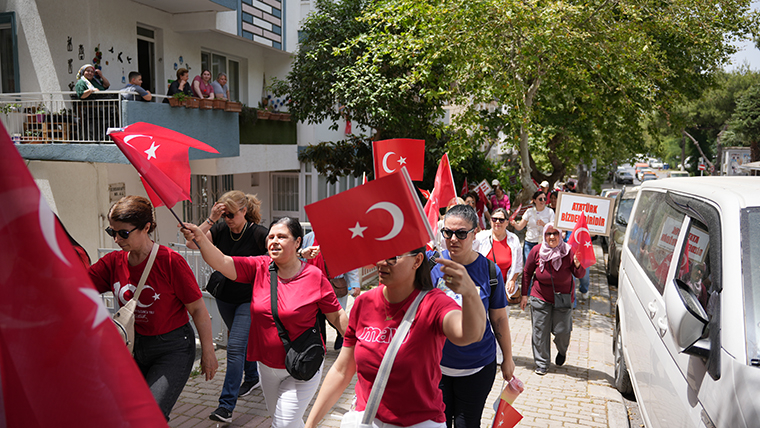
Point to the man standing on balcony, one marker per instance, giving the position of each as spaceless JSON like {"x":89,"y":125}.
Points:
{"x":135,"y":86}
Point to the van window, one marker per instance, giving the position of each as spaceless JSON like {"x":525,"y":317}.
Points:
{"x":653,"y":236}
{"x":750,"y":246}
{"x":694,"y":265}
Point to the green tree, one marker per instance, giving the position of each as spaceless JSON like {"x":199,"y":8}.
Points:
{"x":746,"y":119}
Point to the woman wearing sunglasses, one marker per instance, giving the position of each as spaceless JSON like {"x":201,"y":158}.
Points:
{"x":238,"y":235}
{"x":550,"y":268}
{"x":503,"y":248}
{"x":536,"y":217}
{"x":164,"y":340}
{"x":469,"y":371}
{"x":412,"y":395}
{"x":302,"y":290}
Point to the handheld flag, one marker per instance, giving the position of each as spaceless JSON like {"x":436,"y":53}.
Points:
{"x":465,"y":188}
{"x":442,"y":193}
{"x":390,"y":155}
{"x":161,"y":157}
{"x":514,"y":214}
{"x":62,"y":362}
{"x":506,"y":415}
{"x":360,"y":226}
{"x":581,"y":243}
{"x":425,"y":193}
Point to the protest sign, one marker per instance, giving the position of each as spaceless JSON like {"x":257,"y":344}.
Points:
{"x":598,"y":212}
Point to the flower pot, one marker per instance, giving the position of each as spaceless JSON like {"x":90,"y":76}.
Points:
{"x":219,"y":104}
{"x":174,"y":102}
{"x":275,"y":116}
{"x":285,"y":117}
{"x":192,"y":102}
{"x":205,"y":104}
{"x":233,"y":106}
{"x":263,"y":114}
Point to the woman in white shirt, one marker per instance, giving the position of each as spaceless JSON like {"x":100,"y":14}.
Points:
{"x":535,"y":218}
{"x":503,"y":247}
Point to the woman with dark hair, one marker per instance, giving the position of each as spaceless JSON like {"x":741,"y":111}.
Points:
{"x":238,"y":235}
{"x":469,"y":371}
{"x":164,"y":340}
{"x":181,"y":84}
{"x":536,"y":217}
{"x":503,"y":247}
{"x":302,"y":290}
{"x":411,"y":396}
{"x":549,"y":269}
{"x":202,"y":87}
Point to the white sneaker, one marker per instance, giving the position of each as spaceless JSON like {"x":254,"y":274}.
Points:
{"x":585,"y":295}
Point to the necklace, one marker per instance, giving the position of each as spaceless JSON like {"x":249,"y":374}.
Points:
{"x":390,"y":317}
{"x":241,"y":233}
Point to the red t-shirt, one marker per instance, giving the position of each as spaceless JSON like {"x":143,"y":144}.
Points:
{"x":298,"y":300}
{"x":169,"y":287}
{"x":412,"y":394}
{"x":503,"y":256}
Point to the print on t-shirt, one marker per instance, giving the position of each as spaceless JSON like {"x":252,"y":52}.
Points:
{"x":148,"y":294}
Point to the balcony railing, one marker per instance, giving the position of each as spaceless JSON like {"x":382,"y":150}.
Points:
{"x":60,"y":117}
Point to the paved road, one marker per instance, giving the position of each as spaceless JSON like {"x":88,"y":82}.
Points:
{"x":578,"y":394}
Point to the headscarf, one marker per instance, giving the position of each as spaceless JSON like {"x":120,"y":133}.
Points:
{"x":80,"y":75}
{"x":553,"y":255}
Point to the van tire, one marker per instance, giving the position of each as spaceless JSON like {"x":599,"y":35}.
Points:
{"x":611,"y":279}
{"x":622,"y":378}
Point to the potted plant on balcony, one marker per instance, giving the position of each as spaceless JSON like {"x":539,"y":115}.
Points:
{"x":205,"y":104}
{"x":233,"y":106}
{"x":219,"y":104}
{"x":264,"y":110}
{"x":192,"y":102}
{"x":178,"y":99}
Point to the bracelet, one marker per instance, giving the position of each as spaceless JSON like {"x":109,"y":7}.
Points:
{"x":208,"y":220}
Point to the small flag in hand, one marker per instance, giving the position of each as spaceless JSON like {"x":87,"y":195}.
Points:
{"x":360,"y":226}
{"x":581,"y":243}
{"x":506,"y":415}
{"x":390,"y":155}
{"x":442,"y":193}
{"x":465,"y":189}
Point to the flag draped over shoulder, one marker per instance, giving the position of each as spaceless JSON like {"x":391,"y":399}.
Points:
{"x":442,"y":193}
{"x":161,"y":157}
{"x":62,"y":362}
{"x":375,"y":221}
{"x":580,"y":241}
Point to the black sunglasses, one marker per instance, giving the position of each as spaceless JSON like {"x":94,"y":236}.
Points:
{"x":123,"y":233}
{"x":498,"y":220}
{"x":461,"y":233}
{"x":541,"y":199}
{"x":230,"y":215}
{"x":552,"y":233}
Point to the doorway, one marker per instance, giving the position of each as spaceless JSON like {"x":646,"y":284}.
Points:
{"x":146,"y":58}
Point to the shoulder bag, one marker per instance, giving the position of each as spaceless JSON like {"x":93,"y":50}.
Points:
{"x":561,"y":300}
{"x":304,"y":355}
{"x":124,"y":318}
{"x":517,"y":296}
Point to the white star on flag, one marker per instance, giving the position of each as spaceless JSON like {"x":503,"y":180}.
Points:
{"x":357,"y":230}
{"x":587,"y":244}
{"x":102,"y":313}
{"x":151,"y":152}
{"x":401,"y":161}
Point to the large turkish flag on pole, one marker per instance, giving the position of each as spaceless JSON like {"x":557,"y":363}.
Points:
{"x":442,"y":193}
{"x":62,"y":362}
{"x":375,"y":221}
{"x":390,"y":155}
{"x":160,"y":155}
{"x":580,"y":241}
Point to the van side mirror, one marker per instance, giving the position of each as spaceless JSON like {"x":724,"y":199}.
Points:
{"x":687,"y":319}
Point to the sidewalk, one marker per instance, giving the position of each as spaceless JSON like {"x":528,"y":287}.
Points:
{"x":578,"y":394}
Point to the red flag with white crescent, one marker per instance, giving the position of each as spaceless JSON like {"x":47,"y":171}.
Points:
{"x":161,"y":157}
{"x":62,"y":362}
{"x":442,"y":193}
{"x":580,"y":241}
{"x":360,"y":226}
{"x":390,"y":155}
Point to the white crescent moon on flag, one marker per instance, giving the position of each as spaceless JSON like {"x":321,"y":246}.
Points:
{"x":578,"y":232}
{"x":129,"y":137}
{"x":398,"y":218}
{"x":385,"y":162}
{"x":47,"y":224}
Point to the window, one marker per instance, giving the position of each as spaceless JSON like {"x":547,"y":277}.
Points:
{"x":750,"y":250}
{"x":218,"y":63}
{"x":8,"y":54}
{"x":205,"y":191}
{"x":285,"y":195}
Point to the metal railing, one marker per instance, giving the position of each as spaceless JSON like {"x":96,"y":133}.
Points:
{"x":60,"y":117}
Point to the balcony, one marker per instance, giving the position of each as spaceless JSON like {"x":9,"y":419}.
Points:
{"x":55,"y":126}
{"x":190,"y":6}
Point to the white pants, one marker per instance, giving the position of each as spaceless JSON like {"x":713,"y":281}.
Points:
{"x":353,"y":419}
{"x":286,"y":397}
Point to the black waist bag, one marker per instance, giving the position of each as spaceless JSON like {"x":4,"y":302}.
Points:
{"x":303,"y":356}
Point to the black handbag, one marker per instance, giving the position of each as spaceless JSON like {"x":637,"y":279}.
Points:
{"x":561,"y":300}
{"x":305,"y":354}
{"x":215,"y":283}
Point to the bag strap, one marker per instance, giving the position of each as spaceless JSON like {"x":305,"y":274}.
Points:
{"x":146,"y":271}
{"x":273,"y":299}
{"x":373,"y":402}
{"x":493,"y":281}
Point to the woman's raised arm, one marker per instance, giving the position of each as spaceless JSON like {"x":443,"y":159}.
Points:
{"x":212,"y":255}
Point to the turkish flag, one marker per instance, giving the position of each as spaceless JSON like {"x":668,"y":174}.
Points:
{"x":507,"y":416}
{"x":442,"y":193}
{"x":425,"y":193}
{"x":465,"y":189}
{"x":390,"y":155}
{"x":62,"y":362}
{"x":160,"y":155}
{"x":580,"y":241}
{"x":360,"y":226}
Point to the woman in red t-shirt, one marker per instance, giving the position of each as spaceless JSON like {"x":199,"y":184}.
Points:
{"x":302,"y":291}
{"x":202,"y":85}
{"x":164,"y":340}
{"x":411,"y":395}
{"x":503,"y":247}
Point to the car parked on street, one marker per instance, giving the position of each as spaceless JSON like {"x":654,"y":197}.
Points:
{"x":620,"y":214}
{"x":687,"y":317}
{"x":623,"y":176}
{"x":648,"y":176}
{"x":642,"y":171}
{"x":678,"y":174}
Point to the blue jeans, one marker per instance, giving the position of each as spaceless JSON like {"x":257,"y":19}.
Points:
{"x":527,"y":246}
{"x":165,"y":362}
{"x":584,"y":282}
{"x":237,"y":318}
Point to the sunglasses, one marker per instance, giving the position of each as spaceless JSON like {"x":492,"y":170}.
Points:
{"x":123,"y":233}
{"x":461,"y":233}
{"x":230,"y":216}
{"x":498,"y":220}
{"x":552,"y":233}
{"x":393,"y":260}
{"x":541,"y":199}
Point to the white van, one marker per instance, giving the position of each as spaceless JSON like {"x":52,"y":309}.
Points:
{"x":687,"y":330}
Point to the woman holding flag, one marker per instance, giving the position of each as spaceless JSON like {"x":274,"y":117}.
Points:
{"x":381,"y":310}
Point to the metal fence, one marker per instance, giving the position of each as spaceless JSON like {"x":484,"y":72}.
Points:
{"x":60,"y":117}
